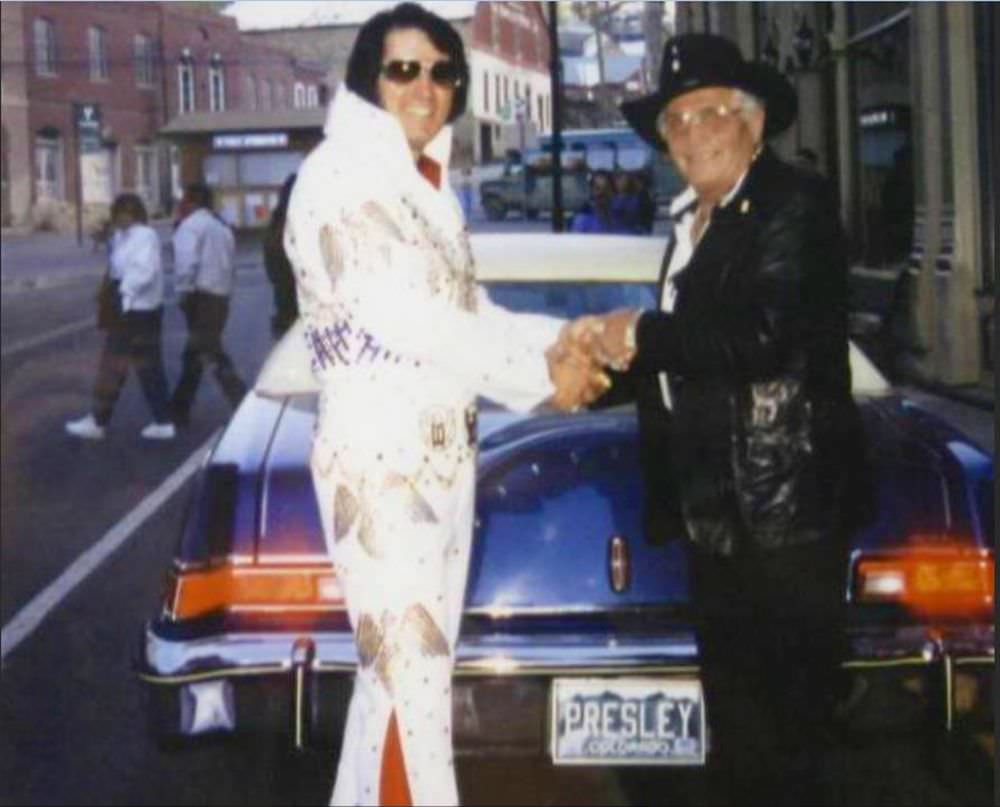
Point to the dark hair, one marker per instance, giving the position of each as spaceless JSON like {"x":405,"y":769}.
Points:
{"x":365,"y":61}
{"x":131,"y":205}
{"x":199,"y":194}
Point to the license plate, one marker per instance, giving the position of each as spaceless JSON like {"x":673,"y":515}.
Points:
{"x":627,"y":721}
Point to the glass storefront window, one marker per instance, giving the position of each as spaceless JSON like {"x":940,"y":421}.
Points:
{"x":257,"y":207}
{"x":880,"y":55}
{"x":268,"y":168}
{"x":220,"y":170}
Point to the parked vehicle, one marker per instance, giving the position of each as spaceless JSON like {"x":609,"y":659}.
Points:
{"x":526,"y":183}
{"x":577,"y":635}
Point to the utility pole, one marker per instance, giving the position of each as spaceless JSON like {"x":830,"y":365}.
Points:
{"x":555,"y":74}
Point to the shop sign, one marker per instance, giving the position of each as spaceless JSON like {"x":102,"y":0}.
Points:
{"x":881,"y":118}
{"x":250,"y":140}
{"x":88,"y":127}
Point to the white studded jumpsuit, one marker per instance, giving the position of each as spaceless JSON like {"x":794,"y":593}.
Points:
{"x":402,"y":341}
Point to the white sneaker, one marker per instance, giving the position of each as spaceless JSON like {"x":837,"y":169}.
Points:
{"x":86,"y":428}
{"x":159,"y":431}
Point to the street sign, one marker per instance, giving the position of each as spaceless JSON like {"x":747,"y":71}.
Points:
{"x":250,"y":140}
{"x":88,"y":126}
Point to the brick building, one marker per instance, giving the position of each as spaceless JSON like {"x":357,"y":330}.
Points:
{"x":510,"y":97}
{"x":133,"y":72}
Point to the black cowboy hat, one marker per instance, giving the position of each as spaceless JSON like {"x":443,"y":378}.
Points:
{"x":693,"y":61}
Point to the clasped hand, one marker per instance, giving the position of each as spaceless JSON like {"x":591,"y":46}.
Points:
{"x":586,"y":346}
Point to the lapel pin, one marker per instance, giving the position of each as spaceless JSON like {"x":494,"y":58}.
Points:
{"x":745,"y":206}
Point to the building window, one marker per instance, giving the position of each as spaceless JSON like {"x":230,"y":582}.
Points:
{"x":145,"y":70}
{"x":506,"y":90}
{"x":496,"y":95}
{"x":48,"y":167}
{"x":312,"y":96}
{"x":280,"y":95}
{"x":185,"y":85}
{"x":265,"y":93}
{"x":486,"y":91}
{"x":45,"y":47}
{"x":97,"y":42}
{"x":541,"y":112}
{"x":217,"y":84}
{"x":146,"y":174}
{"x":300,"y":95}
{"x":250,"y":91}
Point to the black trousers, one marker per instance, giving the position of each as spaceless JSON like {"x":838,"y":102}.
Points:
{"x":206,"y":316}
{"x":134,"y":339}
{"x":771,"y":636}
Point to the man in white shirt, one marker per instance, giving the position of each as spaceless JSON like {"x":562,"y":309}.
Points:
{"x":203,"y":272}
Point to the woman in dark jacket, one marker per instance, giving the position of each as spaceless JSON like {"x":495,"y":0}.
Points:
{"x":277,"y":265}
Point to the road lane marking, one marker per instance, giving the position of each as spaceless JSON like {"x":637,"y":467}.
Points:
{"x":41,"y":339}
{"x":31,"y":615}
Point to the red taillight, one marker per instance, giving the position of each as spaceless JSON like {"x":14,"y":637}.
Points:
{"x":943,"y":581}
{"x":235,"y":588}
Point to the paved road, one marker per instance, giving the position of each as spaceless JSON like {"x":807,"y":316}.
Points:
{"x":71,"y":713}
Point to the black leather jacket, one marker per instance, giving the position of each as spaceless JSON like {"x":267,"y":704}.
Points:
{"x":764,"y":437}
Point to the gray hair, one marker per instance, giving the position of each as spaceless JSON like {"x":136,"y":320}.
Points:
{"x":748,"y":103}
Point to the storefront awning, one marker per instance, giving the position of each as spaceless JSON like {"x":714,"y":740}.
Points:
{"x":244,"y":120}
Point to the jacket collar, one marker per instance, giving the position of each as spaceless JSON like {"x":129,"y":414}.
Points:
{"x":359,"y":127}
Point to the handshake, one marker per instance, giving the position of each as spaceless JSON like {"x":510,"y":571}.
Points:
{"x":585,"y":348}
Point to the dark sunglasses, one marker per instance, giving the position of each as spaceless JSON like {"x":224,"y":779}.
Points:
{"x":403,"y":71}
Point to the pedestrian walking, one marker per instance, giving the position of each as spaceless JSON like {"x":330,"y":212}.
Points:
{"x":204,"y":248}
{"x":130,"y":310}
{"x":277,"y":266}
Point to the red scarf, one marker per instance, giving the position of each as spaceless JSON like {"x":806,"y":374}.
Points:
{"x":430,"y":170}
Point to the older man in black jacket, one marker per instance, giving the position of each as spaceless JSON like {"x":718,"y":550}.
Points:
{"x":748,"y":430}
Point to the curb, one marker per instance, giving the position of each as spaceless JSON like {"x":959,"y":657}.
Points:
{"x":41,"y":282}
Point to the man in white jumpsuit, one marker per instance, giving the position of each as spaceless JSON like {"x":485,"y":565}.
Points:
{"x":402,"y":341}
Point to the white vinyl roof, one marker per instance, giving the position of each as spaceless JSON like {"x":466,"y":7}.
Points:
{"x":568,"y":257}
{"x":539,"y":257}
{"x":270,"y":15}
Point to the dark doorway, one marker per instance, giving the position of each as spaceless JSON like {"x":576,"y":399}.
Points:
{"x":485,"y":142}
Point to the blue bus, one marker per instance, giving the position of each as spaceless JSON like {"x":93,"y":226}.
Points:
{"x":526,"y":183}
{"x":618,"y":149}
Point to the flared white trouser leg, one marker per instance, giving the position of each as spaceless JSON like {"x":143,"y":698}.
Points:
{"x":405,"y":603}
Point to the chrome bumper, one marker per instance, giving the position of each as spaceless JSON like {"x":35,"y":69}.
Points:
{"x":168,"y":661}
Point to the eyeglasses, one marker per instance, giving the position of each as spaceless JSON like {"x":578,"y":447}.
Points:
{"x":711,"y":118}
{"x":405,"y":71}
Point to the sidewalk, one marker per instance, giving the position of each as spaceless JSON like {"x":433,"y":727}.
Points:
{"x":42,"y":260}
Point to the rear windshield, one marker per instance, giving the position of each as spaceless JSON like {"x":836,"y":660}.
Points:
{"x":571,"y":299}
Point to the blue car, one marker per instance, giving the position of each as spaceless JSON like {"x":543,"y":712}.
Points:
{"x":577,"y":636}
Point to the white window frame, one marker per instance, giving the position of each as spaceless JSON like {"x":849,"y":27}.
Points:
{"x":97,"y":50}
{"x":48,"y":154}
{"x":185,"y":80}
{"x":217,"y":85}
{"x":312,"y":96}
{"x":142,"y":53}
{"x":44,"y":33}
{"x":250,"y":90}
{"x":147,"y":174}
{"x":300,"y":95}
